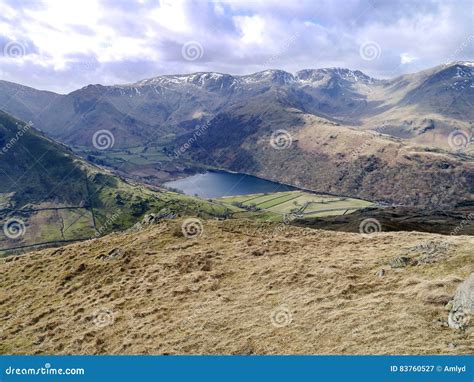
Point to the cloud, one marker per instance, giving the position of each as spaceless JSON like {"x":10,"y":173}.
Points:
{"x":251,"y":28}
{"x":65,"y":45}
{"x":406,"y":58}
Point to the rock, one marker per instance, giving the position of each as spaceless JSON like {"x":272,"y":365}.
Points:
{"x":441,"y":323}
{"x":136,"y":227}
{"x":81,"y":268}
{"x":462,"y":305}
{"x":116,"y":252}
{"x":458,"y":319}
{"x":400,"y":262}
{"x":257,"y":252}
{"x":112,"y":254}
{"x":154,"y":218}
{"x":381,"y":273}
{"x":149,"y":219}
{"x":430,"y":251}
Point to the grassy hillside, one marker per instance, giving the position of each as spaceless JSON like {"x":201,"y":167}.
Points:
{"x":49,"y":195}
{"x":240,"y":287}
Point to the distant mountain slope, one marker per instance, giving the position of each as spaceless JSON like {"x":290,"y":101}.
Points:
{"x":320,"y":155}
{"x":426,"y":107}
{"x":429,"y":104}
{"x":354,"y":135}
{"x":47,"y":194}
{"x":26,"y":103}
{"x":36,"y":169}
{"x":448,"y":91}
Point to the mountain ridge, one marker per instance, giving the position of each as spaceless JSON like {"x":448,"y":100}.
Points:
{"x":293,"y":74}
{"x":419,"y":111}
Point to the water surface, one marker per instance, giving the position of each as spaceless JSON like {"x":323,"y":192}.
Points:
{"x":215,"y":184}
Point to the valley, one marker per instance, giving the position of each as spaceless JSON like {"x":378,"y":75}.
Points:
{"x":285,"y":186}
{"x":405,"y":140}
{"x":339,"y":206}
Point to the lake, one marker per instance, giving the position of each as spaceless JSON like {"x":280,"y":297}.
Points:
{"x":215,"y":184}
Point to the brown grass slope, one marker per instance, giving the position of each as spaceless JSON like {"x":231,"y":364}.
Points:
{"x":239,"y":288}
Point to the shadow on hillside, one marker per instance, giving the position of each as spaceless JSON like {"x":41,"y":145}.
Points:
{"x":459,"y":221}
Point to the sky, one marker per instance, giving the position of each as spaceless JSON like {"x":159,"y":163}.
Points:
{"x":63,"y":45}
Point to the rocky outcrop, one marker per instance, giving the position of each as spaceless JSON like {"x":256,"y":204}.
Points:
{"x":154,"y":218}
{"x":462,"y":305}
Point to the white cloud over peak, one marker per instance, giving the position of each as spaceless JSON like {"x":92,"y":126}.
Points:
{"x":63,"y":45}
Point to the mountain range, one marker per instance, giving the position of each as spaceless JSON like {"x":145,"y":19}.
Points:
{"x":246,"y":274}
{"x":424,"y":103}
{"x":384,"y":140}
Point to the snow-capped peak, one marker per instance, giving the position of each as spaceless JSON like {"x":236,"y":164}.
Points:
{"x":314,"y":75}
{"x":279,"y":76}
{"x":216,"y":81}
{"x":463,"y":63}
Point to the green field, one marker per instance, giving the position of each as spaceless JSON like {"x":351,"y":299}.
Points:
{"x":133,"y":157}
{"x":306,"y":203}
